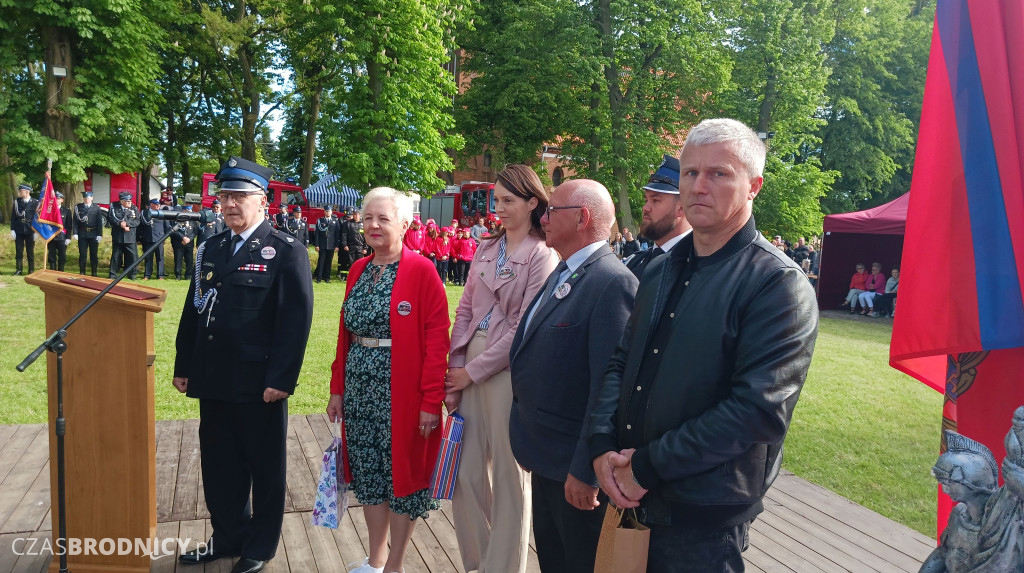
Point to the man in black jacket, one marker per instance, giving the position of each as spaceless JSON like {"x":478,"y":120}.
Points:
{"x":88,"y":230}
{"x":325,"y":241}
{"x":696,"y":401}
{"x":22,"y":214}
{"x":353,"y":243}
{"x":57,"y":247}
{"x":240,"y":346}
{"x":124,"y":219}
{"x":152,"y":231}
{"x":183,"y":235}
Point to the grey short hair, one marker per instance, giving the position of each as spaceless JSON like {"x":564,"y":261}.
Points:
{"x":596,"y":198}
{"x":749,"y":148}
{"x":401,"y":202}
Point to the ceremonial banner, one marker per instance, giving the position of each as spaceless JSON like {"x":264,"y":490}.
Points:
{"x":960,"y":312}
{"x":48,"y":221}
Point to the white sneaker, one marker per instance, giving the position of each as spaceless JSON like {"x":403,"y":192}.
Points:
{"x":364,"y":567}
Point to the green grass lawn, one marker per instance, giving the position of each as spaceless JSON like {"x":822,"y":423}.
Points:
{"x":861,"y":429}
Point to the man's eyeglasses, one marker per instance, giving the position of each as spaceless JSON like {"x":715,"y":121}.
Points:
{"x":550,"y":208}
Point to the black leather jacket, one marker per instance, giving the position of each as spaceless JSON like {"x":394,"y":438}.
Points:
{"x":710,"y":427}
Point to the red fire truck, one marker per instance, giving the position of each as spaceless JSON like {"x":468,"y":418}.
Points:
{"x":278,"y":193}
{"x":105,"y":185}
{"x":465,"y":202}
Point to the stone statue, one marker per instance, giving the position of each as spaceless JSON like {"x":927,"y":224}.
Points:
{"x":969,"y":475}
{"x":985,"y":533}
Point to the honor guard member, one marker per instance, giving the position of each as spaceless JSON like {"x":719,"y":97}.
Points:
{"x":663,"y":219}
{"x":296,"y":226}
{"x":183,"y":236}
{"x":22,"y":214}
{"x":152,"y":231}
{"x":57,"y":247}
{"x":353,"y":243}
{"x":88,"y":229}
{"x":325,"y":241}
{"x":124,"y":219}
{"x":213,"y":227}
{"x":282,"y":216}
{"x":218,"y":212}
{"x":343,"y":222}
{"x":240,"y":347}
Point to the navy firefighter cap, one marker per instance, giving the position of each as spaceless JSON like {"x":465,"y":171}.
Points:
{"x":24,"y":187}
{"x":243,"y":176}
{"x":666,"y":178}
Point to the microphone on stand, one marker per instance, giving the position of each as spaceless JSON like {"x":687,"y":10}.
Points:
{"x":203,"y":217}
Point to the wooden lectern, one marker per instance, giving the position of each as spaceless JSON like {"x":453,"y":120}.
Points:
{"x":110,"y":446}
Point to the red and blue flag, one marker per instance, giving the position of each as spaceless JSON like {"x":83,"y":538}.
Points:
{"x":48,"y":221}
{"x":960,"y":311}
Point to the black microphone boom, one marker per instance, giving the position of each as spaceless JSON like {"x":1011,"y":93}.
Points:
{"x":204,"y":216}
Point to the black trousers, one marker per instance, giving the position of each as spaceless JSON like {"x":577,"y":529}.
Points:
{"x":442,"y":270}
{"x":461,"y":272}
{"x":90,"y":247}
{"x":242,"y":448}
{"x":182,"y":254}
{"x":57,"y":254}
{"x":25,"y":244}
{"x":697,"y":550}
{"x":566,"y":537}
{"x":122,"y":257}
{"x":156,"y":257}
{"x":324,"y":259}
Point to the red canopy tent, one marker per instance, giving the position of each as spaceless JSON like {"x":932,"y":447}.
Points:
{"x":871,"y":236}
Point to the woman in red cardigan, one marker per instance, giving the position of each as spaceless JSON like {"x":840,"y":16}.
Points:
{"x":387,"y":380}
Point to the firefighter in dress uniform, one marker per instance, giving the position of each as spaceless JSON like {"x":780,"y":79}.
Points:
{"x":57,"y":248}
{"x":325,"y":241}
{"x":297,"y":227}
{"x":240,"y":347}
{"x":88,"y":231}
{"x":124,"y":219}
{"x":183,"y":236}
{"x":22,"y":214}
{"x":152,"y":231}
{"x":213,"y":227}
{"x":353,"y":243}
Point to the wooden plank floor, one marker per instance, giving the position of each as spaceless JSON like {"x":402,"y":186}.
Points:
{"x":805,"y":528}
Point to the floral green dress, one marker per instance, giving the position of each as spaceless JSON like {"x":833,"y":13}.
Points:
{"x":368,"y":396}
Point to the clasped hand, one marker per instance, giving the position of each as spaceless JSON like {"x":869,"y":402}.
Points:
{"x":615,"y":475}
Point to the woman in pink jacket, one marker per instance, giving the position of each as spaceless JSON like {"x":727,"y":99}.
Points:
{"x":491,"y":505}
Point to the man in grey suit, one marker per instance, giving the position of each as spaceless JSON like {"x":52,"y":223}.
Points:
{"x":558,"y":358}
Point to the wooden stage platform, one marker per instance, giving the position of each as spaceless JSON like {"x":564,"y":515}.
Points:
{"x":805,"y":528}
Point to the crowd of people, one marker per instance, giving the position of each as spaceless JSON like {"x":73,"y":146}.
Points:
{"x":584,"y":383}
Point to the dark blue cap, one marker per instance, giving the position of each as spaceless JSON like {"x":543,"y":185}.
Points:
{"x":188,"y":207}
{"x":666,"y":178}
{"x":216,"y":201}
{"x":244,"y":176}
{"x":60,"y":195}
{"x":25,"y":187}
{"x":154,"y":201}
{"x":124,"y":196}
{"x":87,"y":194}
{"x":297,"y":209}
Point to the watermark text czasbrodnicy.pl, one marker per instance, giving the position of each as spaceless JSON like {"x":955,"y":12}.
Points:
{"x":154,"y":548}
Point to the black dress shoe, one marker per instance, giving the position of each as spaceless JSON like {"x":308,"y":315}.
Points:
{"x":17,"y":273}
{"x":203,"y":554}
{"x":246,"y":565}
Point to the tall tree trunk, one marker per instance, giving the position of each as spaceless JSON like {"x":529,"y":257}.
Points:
{"x":250,"y":95}
{"x":170,"y":148}
{"x":771,"y":93}
{"x":186,"y":170}
{"x":6,"y":201}
{"x":594,"y":161}
{"x":615,"y":108}
{"x":375,"y":80}
{"x":58,"y":124}
{"x":307,"y":159}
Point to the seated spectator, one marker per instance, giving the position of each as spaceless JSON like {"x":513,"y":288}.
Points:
{"x":858,"y":284}
{"x":875,"y":285}
{"x":885,"y":303}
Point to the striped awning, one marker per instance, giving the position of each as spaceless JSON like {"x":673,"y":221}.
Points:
{"x":329,"y":191}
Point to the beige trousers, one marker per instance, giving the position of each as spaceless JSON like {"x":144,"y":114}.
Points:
{"x":491,"y":505}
